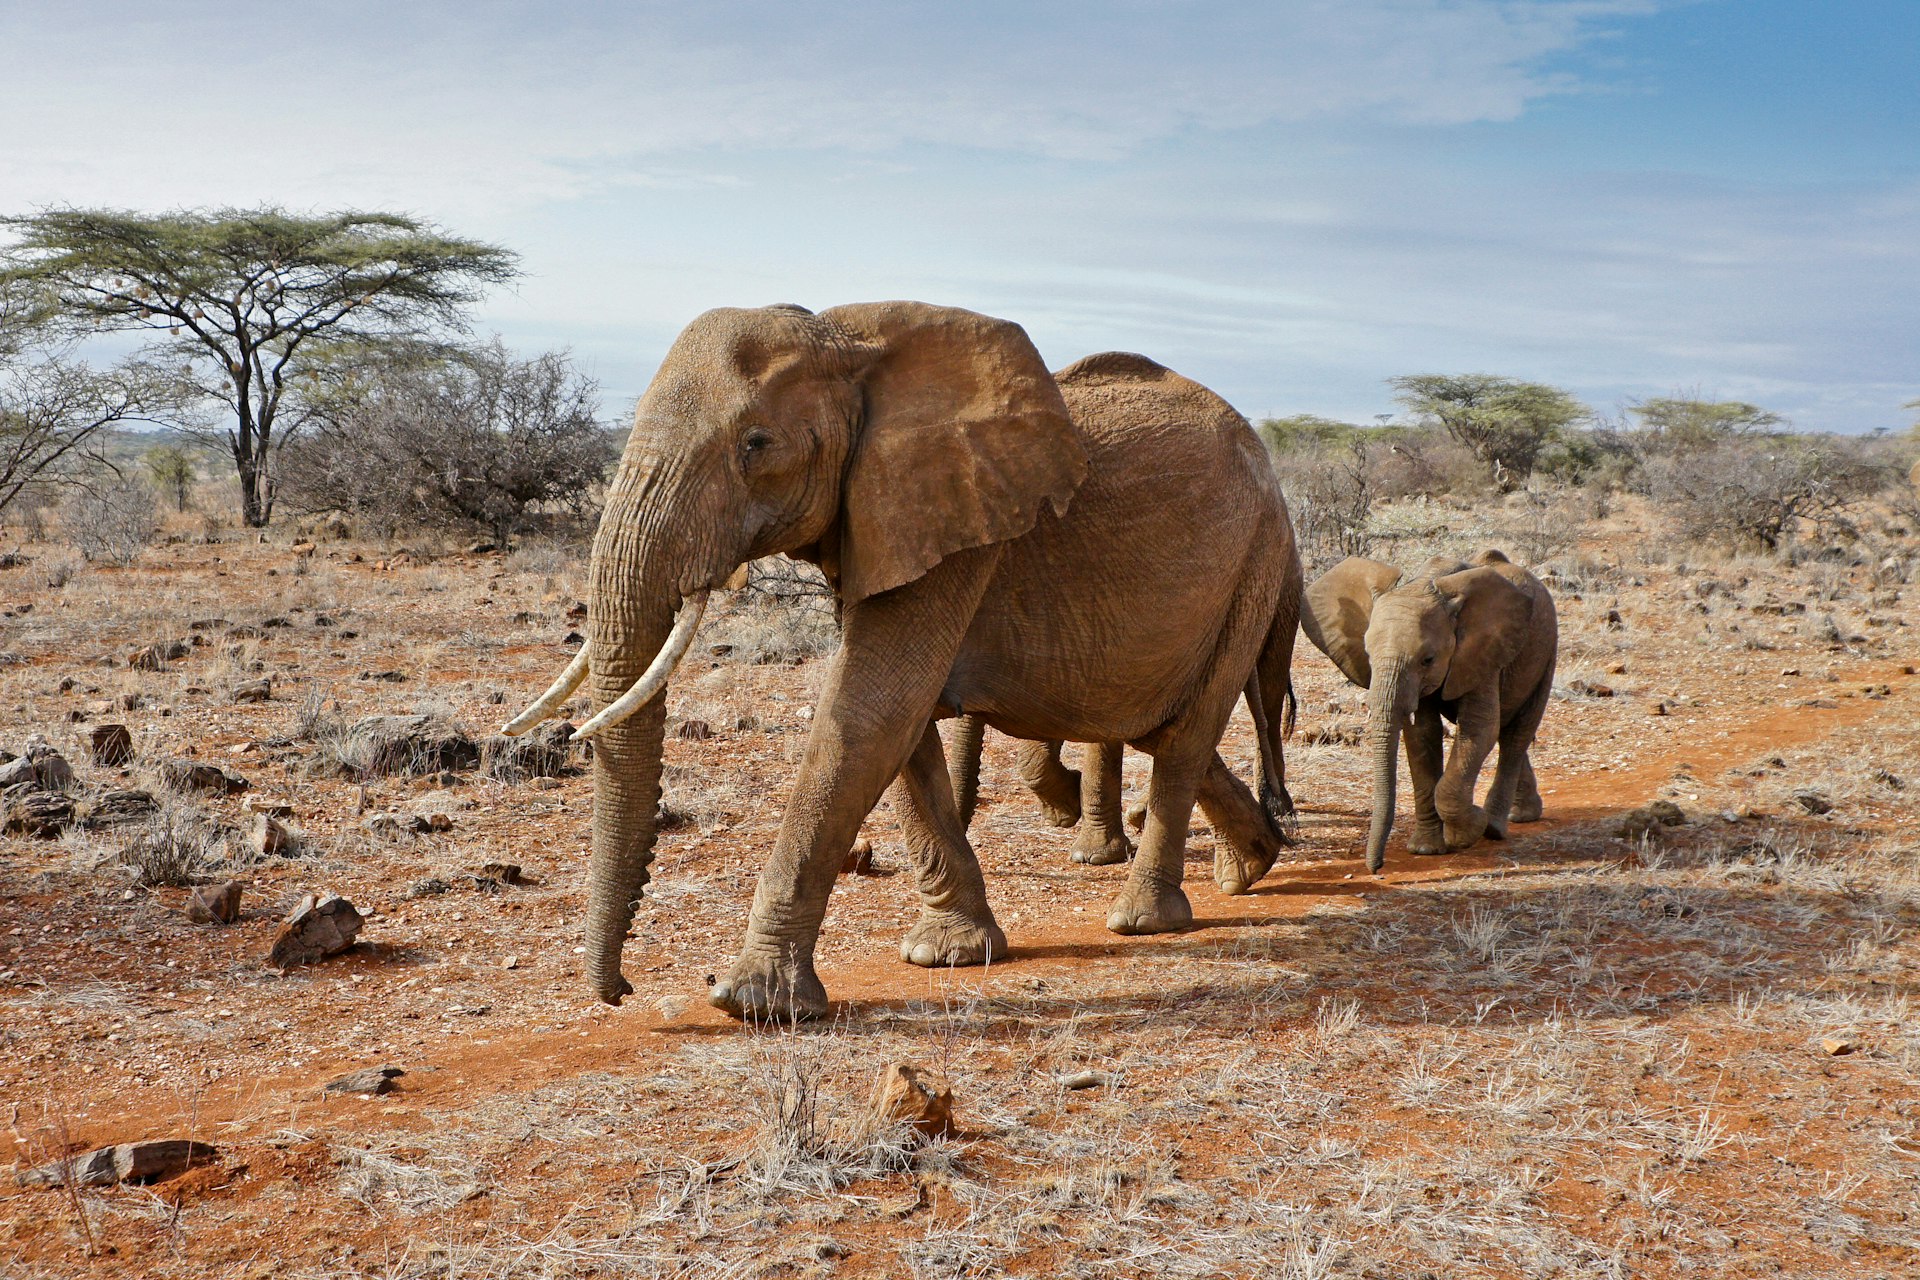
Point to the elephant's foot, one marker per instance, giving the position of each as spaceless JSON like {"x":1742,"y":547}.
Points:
{"x":1466,"y":832}
{"x":1237,"y":869}
{"x":761,"y":988}
{"x":1057,"y":816}
{"x":1496,"y":828}
{"x":1428,"y":839}
{"x":1526,"y":809}
{"x":1096,"y":848}
{"x":943,"y":938}
{"x":1150,"y":909}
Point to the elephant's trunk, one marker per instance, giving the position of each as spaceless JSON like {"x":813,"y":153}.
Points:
{"x":1386,"y":712}
{"x":636,"y":582}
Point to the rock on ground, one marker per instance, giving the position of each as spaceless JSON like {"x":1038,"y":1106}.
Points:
{"x":193,"y":775}
{"x":321,"y":925}
{"x":129,"y":1162}
{"x":379,"y":745}
{"x":368,"y":1081}
{"x":915,"y":1096}
{"x":539,"y":755}
{"x":110,"y":745}
{"x":215,"y":903}
{"x":112,"y":808}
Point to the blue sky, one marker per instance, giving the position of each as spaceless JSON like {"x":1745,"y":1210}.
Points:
{"x":1289,"y":201}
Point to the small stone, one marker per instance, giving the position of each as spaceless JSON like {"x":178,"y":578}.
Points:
{"x":266,"y":805}
{"x":193,"y":775}
{"x":1839,"y":1046}
{"x":1083,"y":1080}
{"x":368,"y":1081}
{"x":321,"y":925}
{"x":511,"y":962}
{"x":388,"y":824}
{"x":431,"y":887}
{"x":576,"y":611}
{"x":115,"y":807}
{"x":859,"y":860}
{"x":694,"y":730}
{"x":215,"y":903}
{"x":504,"y":872}
{"x":260,"y":690}
{"x":547,"y":784}
{"x":110,"y":745}
{"x":1617,"y":669}
{"x":271,"y":838}
{"x":1588,"y":689}
{"x":385,"y":677}
{"x":915,"y":1096}
{"x":483,"y":548}
{"x":302,"y":549}
{"x":40,"y":814}
{"x":1813,"y":802}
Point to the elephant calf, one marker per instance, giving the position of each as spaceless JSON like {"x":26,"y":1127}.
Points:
{"x":1473,"y":643}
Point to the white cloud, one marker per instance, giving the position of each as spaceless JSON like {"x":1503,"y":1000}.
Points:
{"x":469,"y":108}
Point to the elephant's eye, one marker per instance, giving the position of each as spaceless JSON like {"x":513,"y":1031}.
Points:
{"x":757,"y":439}
{"x":1427,"y":661}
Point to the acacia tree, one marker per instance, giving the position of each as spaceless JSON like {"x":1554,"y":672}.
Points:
{"x":1503,"y":421}
{"x":241,"y":300}
{"x":1684,"y":424}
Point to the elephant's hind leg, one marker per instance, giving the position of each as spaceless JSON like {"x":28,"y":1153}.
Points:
{"x":1103,"y":838}
{"x":1153,"y":901}
{"x":1526,"y":797}
{"x":956,"y":925}
{"x":1514,"y":795}
{"x":1246,"y":841}
{"x":1056,"y":786}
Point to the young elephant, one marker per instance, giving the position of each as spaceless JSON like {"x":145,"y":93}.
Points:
{"x":1474,"y":644}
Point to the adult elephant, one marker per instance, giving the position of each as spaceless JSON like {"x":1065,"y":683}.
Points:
{"x":926,"y":460}
{"x":1474,"y":643}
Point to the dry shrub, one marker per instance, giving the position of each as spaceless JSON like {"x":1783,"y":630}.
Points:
{"x":1760,"y":494}
{"x":111,"y":522}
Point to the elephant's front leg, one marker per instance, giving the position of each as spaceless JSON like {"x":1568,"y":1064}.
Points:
{"x":1479,"y":729}
{"x":896,"y":651}
{"x":956,"y":925}
{"x":1103,"y":836}
{"x":1426,"y":758}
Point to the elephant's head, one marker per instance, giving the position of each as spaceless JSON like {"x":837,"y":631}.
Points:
{"x":1449,"y":631}
{"x":874,"y":439}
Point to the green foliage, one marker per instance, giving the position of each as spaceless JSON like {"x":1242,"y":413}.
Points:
{"x":1503,"y":421}
{"x":1681,"y":424}
{"x":1304,"y":431}
{"x":172,"y":469}
{"x":240,"y":301}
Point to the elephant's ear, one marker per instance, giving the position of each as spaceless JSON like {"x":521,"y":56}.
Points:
{"x":964,"y":439}
{"x":1335,"y":611}
{"x":1491,"y":617}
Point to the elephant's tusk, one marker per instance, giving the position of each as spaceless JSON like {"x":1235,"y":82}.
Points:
{"x":549,"y":702}
{"x":649,"y":685}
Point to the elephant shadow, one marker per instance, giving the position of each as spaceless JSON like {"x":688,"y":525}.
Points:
{"x":1715,"y":914}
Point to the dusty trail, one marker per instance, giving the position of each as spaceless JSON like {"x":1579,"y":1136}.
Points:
{"x":464,"y":1072}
